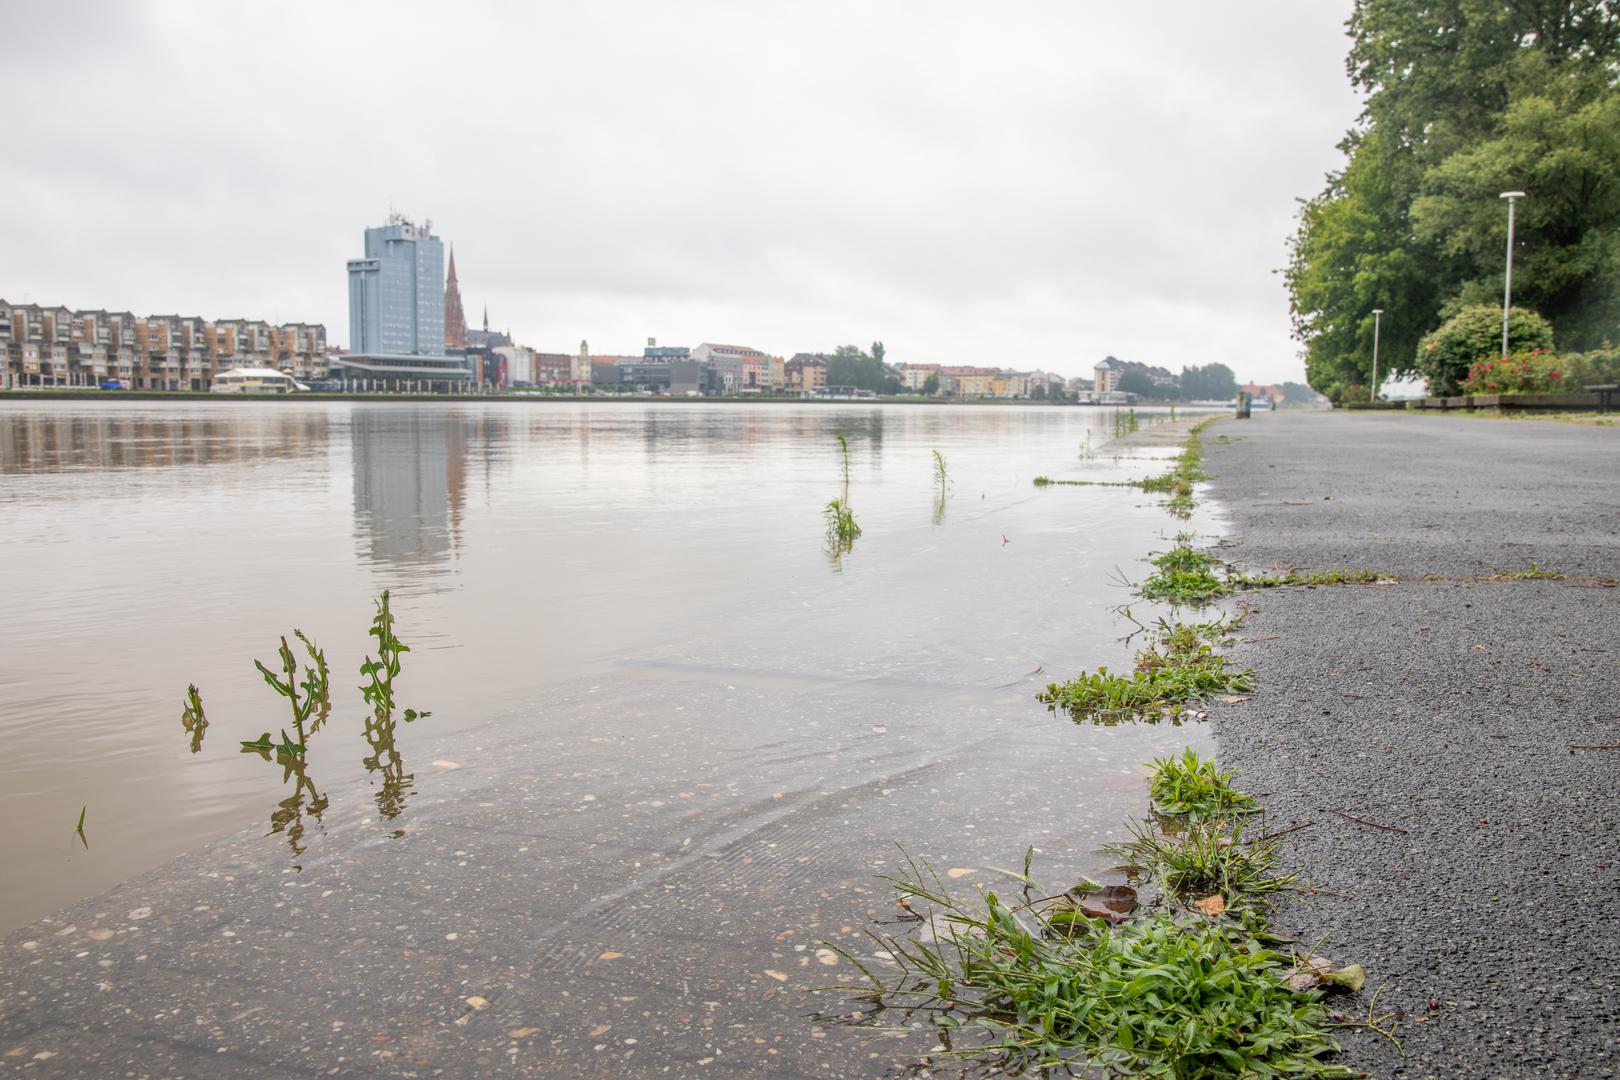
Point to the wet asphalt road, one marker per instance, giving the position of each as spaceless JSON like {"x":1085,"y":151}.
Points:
{"x":1455,"y":718}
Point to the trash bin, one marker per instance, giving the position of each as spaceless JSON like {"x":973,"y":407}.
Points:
{"x":1243,"y":405}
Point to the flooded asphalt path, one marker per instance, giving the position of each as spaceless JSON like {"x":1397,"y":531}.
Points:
{"x":633,"y":873}
{"x":1461,"y":716}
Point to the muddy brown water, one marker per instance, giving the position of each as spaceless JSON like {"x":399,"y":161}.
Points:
{"x":672,"y":741}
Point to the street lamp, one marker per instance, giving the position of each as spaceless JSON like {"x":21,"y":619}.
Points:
{"x":1507,"y":288}
{"x":1378,"y":316}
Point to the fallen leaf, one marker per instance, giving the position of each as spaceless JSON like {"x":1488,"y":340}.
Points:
{"x":610,"y":955}
{"x":523,"y":1033}
{"x":1351,"y":977}
{"x":959,"y":871}
{"x":1112,"y":902}
{"x":1211,"y":905}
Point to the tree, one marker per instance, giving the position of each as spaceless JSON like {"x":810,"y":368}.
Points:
{"x":878,"y":351}
{"x":930,"y":385}
{"x":849,"y":366}
{"x":891,"y":385}
{"x":1475,"y":333}
{"x":1212,"y":382}
{"x":1299,"y":394}
{"x":1465,"y":99}
{"x":1038,"y":392}
{"x":1138,"y":383}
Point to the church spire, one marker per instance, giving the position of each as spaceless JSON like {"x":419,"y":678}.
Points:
{"x":455,"y":322}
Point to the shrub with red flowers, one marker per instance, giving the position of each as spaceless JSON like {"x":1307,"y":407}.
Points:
{"x":1471,"y":337}
{"x":1541,"y":371}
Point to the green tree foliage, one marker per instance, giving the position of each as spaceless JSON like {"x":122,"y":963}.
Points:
{"x":930,"y":385}
{"x":849,"y":366}
{"x":1465,"y":99}
{"x":1475,"y":333}
{"x":877,"y":351}
{"x":1212,"y":382}
{"x":1299,"y":394}
{"x":1139,"y":383}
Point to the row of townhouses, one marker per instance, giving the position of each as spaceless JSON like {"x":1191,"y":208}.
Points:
{"x":722,"y":370}
{"x":57,"y":346}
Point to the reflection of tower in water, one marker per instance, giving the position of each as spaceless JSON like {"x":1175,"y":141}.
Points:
{"x":410,"y":476}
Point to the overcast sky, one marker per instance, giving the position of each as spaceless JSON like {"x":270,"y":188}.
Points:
{"x":1016,"y":184}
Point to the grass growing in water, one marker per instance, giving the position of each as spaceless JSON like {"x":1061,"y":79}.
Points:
{"x":942,"y":484}
{"x":1041,"y":986}
{"x":1178,"y":668}
{"x":1206,"y":858}
{"x":1184,"y":575}
{"x":842,"y":529}
{"x":1190,"y":785}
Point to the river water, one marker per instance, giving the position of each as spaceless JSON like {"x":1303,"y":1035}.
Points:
{"x":648,"y":677}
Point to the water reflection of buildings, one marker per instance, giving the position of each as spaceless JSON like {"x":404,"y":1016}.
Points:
{"x":55,"y":441}
{"x":410,"y":479}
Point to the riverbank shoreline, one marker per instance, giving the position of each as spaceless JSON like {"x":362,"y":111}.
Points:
{"x":1444,"y":748}
{"x":116,"y":396}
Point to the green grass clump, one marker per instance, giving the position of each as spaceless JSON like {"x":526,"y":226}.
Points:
{"x":1190,"y":785}
{"x":1038,"y":988}
{"x":1306,"y":577}
{"x":1184,"y":575}
{"x":1535,"y":573}
{"x":1178,"y":668}
{"x":1204,"y":858}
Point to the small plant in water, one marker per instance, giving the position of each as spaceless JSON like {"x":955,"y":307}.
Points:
{"x":1184,"y":575}
{"x":1042,"y":988}
{"x":842,"y":529}
{"x":1191,"y":785}
{"x":379,"y":693}
{"x":316,"y":703}
{"x":192,"y":718}
{"x":1177,"y":669}
{"x":942,"y":484}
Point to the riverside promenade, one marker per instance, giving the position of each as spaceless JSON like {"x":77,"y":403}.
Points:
{"x":1451,"y":740}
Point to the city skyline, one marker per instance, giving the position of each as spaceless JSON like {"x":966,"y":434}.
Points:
{"x":1035,"y":188}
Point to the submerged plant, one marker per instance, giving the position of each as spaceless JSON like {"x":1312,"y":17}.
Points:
{"x":192,"y":719}
{"x":1177,"y":669}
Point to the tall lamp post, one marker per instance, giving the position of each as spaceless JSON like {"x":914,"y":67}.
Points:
{"x":1378,"y":316}
{"x":1507,"y":288}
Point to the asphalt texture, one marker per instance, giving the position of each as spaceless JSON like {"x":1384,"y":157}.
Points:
{"x":1471,"y":725}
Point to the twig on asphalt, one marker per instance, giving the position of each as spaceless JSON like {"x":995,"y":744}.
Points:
{"x":1594,"y":746}
{"x":1364,"y":821}
{"x":1285,"y":832}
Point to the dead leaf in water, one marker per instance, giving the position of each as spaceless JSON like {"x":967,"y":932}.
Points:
{"x":1112,"y":902}
{"x":1211,"y":905}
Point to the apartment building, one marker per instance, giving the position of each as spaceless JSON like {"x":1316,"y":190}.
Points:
{"x":805,"y":373}
{"x":56,"y":346}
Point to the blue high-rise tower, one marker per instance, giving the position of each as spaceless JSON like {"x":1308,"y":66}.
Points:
{"x":396,"y":293}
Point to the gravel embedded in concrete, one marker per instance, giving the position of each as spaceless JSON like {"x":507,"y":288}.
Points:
{"x":1454,"y":711}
